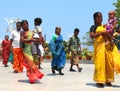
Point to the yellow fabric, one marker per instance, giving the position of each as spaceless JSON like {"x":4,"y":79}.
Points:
{"x":104,"y":69}
{"x":116,"y":58}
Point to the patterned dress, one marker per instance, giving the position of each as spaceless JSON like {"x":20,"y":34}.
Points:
{"x":32,"y":72}
{"x":109,"y":25}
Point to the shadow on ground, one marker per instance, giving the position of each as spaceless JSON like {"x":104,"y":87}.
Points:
{"x":94,"y":85}
{"x":27,"y":81}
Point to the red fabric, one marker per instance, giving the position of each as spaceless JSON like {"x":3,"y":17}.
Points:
{"x":18,"y":59}
{"x":5,"y":50}
{"x":32,"y":71}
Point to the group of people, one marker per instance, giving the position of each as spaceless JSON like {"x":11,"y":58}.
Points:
{"x":58,"y":52}
{"x":25,"y":48}
{"x":28,"y":48}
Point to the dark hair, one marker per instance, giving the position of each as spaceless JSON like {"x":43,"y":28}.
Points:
{"x":38,"y":21}
{"x":57,"y":28}
{"x":7,"y":36}
{"x":76,"y":30}
{"x":23,"y":22}
{"x":18,"y":22}
{"x":95,"y":15}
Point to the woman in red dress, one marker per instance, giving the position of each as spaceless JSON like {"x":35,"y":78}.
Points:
{"x":6,"y":45}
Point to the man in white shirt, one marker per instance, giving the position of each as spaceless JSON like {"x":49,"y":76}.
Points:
{"x":17,"y":50}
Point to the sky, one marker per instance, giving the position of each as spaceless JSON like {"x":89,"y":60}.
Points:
{"x":69,"y":14}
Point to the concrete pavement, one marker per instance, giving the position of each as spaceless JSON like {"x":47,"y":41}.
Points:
{"x":71,"y":81}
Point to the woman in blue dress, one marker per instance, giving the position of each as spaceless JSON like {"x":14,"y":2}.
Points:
{"x":58,"y":53}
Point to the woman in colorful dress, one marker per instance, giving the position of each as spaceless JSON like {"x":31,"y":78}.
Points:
{"x":26,"y":38}
{"x":58,"y":53}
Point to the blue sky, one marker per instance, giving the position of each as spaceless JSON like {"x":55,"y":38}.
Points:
{"x":68,"y":14}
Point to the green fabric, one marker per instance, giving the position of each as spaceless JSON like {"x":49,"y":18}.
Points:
{"x":10,"y":57}
{"x":54,"y":37}
{"x":27,"y":48}
{"x":74,"y":43}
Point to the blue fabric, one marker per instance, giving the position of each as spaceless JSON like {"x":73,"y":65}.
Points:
{"x":10,"y":57}
{"x":58,"y":53}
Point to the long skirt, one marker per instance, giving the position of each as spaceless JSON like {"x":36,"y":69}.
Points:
{"x":104,"y":67}
{"x":33,"y":72}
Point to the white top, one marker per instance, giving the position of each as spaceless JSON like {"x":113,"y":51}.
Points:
{"x":36,"y":30}
{"x":16,"y":39}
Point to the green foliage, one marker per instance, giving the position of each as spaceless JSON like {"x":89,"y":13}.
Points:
{"x":47,"y":50}
{"x":79,"y":53}
{"x":86,"y":52}
{"x":65,"y":43}
{"x":89,"y":41}
{"x":117,"y":9}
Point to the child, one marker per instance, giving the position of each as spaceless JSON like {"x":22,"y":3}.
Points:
{"x":110,"y":26}
{"x":38,"y":56}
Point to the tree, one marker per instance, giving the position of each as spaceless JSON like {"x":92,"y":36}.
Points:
{"x":117,"y":6}
{"x":65,"y":43}
{"x":89,"y":41}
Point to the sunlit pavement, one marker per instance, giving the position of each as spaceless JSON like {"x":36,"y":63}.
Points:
{"x":71,"y":81}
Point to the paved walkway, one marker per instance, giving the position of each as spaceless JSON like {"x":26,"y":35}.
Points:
{"x":71,"y":81}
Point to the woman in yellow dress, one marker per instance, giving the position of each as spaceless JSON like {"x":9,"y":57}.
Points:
{"x":105,"y":59}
